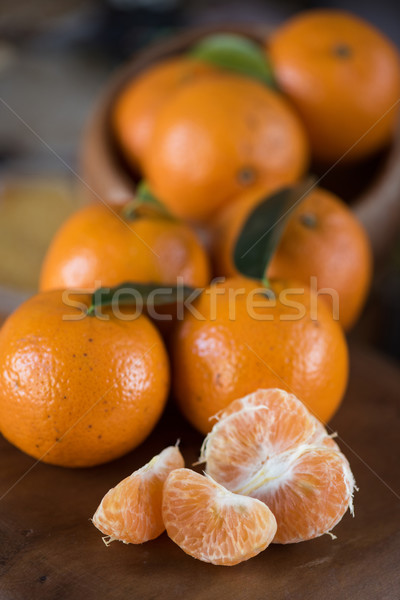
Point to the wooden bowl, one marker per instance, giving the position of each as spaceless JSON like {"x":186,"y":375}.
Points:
{"x":108,"y":178}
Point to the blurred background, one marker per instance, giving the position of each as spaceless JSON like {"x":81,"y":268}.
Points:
{"x":55,"y":57}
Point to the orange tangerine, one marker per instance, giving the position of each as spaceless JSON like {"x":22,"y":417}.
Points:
{"x":98,"y":246}
{"x":138,"y":104}
{"x":322,"y":239}
{"x":218,"y":136}
{"x":77,"y":390}
{"x":343,"y":76}
{"x":241,"y":336}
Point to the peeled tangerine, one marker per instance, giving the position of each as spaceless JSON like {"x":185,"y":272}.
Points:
{"x":212,"y":524}
{"x":267,"y":445}
{"x":131,"y":512}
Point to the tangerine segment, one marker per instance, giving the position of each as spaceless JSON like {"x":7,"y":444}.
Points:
{"x":294,"y":422}
{"x":312,"y":495}
{"x":291,"y":423}
{"x":277,"y":422}
{"x":258,"y":450}
{"x":211,"y":523}
{"x":131,"y":511}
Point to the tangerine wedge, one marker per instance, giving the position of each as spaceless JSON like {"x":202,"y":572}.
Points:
{"x":268,"y":446}
{"x":131,"y":511}
{"x":211,"y":523}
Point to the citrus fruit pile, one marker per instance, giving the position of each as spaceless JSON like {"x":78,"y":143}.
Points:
{"x":230,"y":278}
{"x":273,"y":475}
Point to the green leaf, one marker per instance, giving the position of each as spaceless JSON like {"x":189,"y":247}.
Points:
{"x":263,"y":229}
{"x":131,"y":293}
{"x":235,"y":53}
{"x":144,"y":193}
{"x":145,"y":204}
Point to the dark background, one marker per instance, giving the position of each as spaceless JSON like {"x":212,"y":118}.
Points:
{"x":55,"y":57}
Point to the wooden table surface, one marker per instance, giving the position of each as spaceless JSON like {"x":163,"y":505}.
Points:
{"x":49,"y":549}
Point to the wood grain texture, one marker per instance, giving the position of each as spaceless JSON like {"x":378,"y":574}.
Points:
{"x":50,"y":550}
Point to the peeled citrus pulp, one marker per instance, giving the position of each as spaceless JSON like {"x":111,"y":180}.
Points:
{"x":268,"y":446}
{"x":211,"y":523}
{"x":131,"y":511}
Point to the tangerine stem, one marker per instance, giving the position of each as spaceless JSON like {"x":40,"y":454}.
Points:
{"x":130,"y":209}
{"x":265,"y":282}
